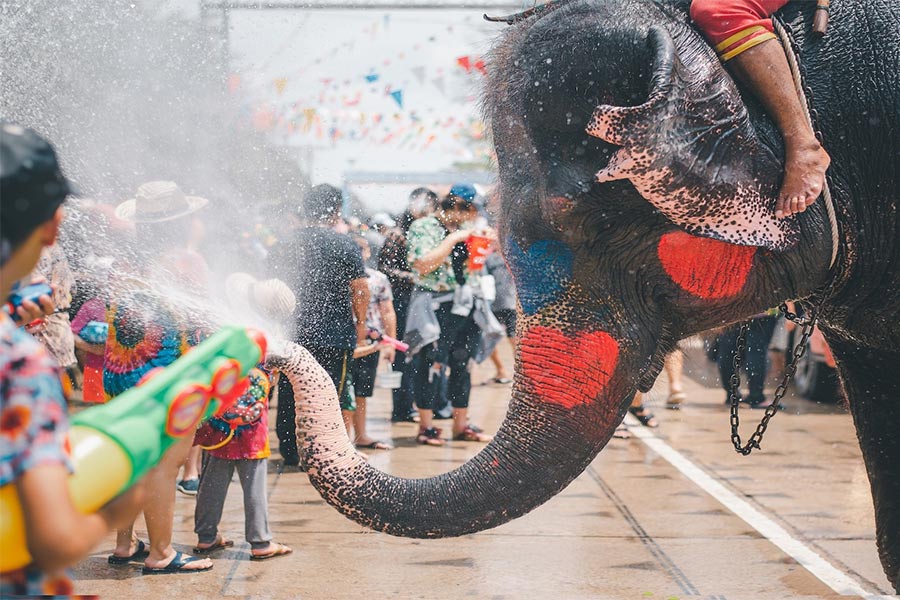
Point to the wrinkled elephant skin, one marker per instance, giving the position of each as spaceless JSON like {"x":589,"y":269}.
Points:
{"x":635,"y":202}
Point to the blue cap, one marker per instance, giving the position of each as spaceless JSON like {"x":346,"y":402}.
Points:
{"x":466,"y":191}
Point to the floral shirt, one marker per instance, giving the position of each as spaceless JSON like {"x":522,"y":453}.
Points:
{"x":425,"y":235}
{"x":379,"y":291}
{"x":33,"y":432}
{"x":232,"y":438}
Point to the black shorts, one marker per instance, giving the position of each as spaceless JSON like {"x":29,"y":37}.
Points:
{"x":364,"y":370}
{"x":507,"y":318}
{"x":338,"y":363}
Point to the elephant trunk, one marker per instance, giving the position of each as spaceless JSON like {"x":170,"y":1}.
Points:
{"x":543,"y":444}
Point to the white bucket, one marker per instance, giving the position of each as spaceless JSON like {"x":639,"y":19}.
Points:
{"x":389,"y":380}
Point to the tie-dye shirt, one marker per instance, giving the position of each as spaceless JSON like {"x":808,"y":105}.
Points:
{"x":143,"y":334}
{"x":33,"y":432}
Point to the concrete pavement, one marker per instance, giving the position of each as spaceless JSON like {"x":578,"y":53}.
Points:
{"x":635,"y":524}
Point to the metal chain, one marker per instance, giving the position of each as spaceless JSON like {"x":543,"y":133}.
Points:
{"x":806,"y":323}
{"x":735,"y":382}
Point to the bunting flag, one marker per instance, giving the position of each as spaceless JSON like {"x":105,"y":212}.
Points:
{"x":354,"y":101}
{"x":479,"y":64}
{"x":263,"y":119}
{"x":309,"y":114}
{"x":397,"y":95}
{"x":280,"y":84}
{"x":418,"y":73}
{"x":234,"y":82}
{"x":465,"y":63}
{"x":439,"y":84}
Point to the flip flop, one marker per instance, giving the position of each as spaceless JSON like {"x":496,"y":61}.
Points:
{"x":176,"y":566}
{"x":220,"y":544}
{"x":643,"y":415}
{"x":375,"y":445}
{"x":621,"y":432}
{"x":675,"y":400}
{"x":280,"y":550}
{"x":141,"y":552}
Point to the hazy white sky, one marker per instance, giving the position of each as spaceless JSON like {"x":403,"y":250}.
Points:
{"x":311,"y":66}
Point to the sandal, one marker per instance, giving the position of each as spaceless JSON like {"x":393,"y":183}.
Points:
{"x":176,"y":566}
{"x":375,"y":445}
{"x":141,"y":552}
{"x":622,"y":433}
{"x":646,"y":417}
{"x":280,"y":550}
{"x":219,"y":544}
{"x":675,"y":400}
{"x":472,"y":433}
{"x":430,"y":437}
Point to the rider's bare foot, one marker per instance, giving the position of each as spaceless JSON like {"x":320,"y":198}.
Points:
{"x":804,"y":177}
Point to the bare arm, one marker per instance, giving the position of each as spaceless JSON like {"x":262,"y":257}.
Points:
{"x":58,"y":535}
{"x":359,"y":291}
{"x":389,"y":318}
{"x":435,"y":257}
{"x":84,"y":346}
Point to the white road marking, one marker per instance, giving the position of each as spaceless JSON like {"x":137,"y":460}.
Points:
{"x":834,"y":578}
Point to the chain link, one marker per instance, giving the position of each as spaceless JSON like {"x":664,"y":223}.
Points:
{"x":807,"y":324}
{"x":780,"y":391}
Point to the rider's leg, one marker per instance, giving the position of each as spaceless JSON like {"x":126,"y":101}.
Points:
{"x":741,"y":31}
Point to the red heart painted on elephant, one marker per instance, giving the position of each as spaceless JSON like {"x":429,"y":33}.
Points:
{"x":706,"y":268}
{"x":568,"y":370}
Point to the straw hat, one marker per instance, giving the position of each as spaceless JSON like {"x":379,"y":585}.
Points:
{"x":158,"y":201}
{"x":271,"y":299}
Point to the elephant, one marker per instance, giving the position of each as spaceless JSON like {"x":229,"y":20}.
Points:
{"x":635,"y":203}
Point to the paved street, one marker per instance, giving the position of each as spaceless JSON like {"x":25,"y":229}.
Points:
{"x":655,"y":516}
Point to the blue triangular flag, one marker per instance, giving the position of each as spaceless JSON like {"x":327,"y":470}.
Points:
{"x":397,"y":95}
{"x":372,"y":77}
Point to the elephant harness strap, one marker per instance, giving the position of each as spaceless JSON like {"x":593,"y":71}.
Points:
{"x":807,"y":324}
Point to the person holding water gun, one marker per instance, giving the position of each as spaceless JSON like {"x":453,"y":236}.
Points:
{"x":147,"y":329}
{"x":33,"y":419}
{"x":380,"y":317}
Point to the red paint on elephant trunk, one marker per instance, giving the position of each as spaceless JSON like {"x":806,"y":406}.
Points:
{"x":568,"y":370}
{"x":706,"y":268}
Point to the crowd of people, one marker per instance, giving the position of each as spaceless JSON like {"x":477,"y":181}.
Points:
{"x":419,"y":298}
{"x":409,"y":296}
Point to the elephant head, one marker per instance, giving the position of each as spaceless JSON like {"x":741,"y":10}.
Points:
{"x":676,"y":234}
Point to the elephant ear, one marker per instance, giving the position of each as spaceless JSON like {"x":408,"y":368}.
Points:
{"x":691,"y":151}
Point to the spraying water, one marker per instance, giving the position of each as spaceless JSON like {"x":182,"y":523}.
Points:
{"x":132,"y":91}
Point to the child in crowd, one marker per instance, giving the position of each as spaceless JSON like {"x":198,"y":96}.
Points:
{"x":240,"y":440}
{"x":90,"y":330}
{"x":380,"y":319}
{"x":33,"y":421}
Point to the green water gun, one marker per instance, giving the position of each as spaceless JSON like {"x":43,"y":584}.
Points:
{"x":115,"y":444}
